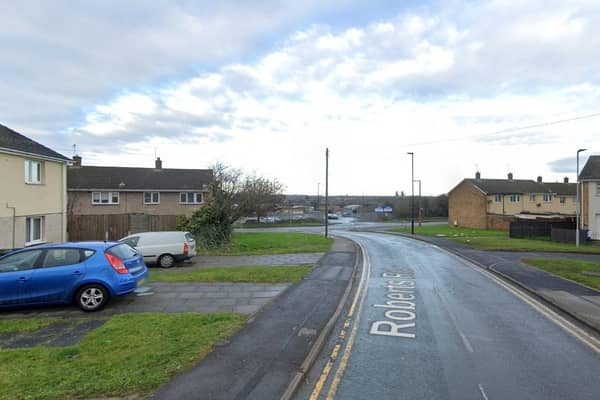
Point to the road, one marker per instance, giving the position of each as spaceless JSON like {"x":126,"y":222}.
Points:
{"x":424,"y":324}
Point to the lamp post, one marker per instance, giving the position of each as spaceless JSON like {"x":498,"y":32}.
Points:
{"x":578,"y":200}
{"x":326,"y":191}
{"x":412,"y":201}
{"x":419,"y":207}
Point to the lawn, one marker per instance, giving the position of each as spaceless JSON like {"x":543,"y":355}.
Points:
{"x":281,"y":224}
{"x":131,"y":353}
{"x":495,"y":240}
{"x":252,"y":274}
{"x":570,"y":269}
{"x":25,"y":325}
{"x":259,"y":243}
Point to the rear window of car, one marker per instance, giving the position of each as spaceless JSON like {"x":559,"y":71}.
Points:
{"x":132,"y":241}
{"x":123,"y":251}
{"x":189,"y":237}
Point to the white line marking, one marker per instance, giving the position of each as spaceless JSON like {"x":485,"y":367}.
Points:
{"x":466,"y":342}
{"x":483,"y":392}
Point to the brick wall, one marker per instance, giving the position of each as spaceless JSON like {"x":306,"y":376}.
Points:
{"x":499,"y":222}
{"x":467,"y":207}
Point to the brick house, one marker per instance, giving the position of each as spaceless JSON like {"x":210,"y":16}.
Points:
{"x":125,"y":200}
{"x":494,"y":203}
{"x":590,"y":182}
{"x":33,"y":199}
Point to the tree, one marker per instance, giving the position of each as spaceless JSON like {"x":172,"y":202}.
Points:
{"x":230,"y":197}
{"x":259,"y":195}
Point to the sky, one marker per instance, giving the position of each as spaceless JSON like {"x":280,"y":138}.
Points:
{"x":266,"y":86}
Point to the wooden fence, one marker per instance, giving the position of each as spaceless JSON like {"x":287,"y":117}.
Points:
{"x":116,"y":226}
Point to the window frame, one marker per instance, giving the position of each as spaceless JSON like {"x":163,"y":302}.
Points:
{"x":196,"y":195}
{"x":29,"y":172}
{"x":563,"y":200}
{"x":532,"y":198}
{"x":151,"y":197}
{"x":597,"y":189}
{"x":30,"y":230}
{"x":498,"y":198}
{"x":514,"y":198}
{"x":110,"y":195}
{"x":548,"y":198}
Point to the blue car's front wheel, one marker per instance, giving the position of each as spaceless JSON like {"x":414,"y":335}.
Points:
{"x":91,"y":297}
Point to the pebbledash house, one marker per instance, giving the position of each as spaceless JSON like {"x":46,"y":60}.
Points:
{"x":107,"y":203}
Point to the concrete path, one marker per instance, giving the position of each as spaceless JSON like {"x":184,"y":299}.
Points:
{"x":261,"y":360}
{"x":579,"y":301}
{"x":235,"y":261}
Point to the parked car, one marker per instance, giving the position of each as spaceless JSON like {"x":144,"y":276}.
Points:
{"x":85,"y":273}
{"x":163,"y":248}
{"x":332,"y":216}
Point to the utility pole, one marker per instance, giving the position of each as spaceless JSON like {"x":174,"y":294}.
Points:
{"x":326,"y":191}
{"x":419,"y":204}
{"x":579,"y":198}
{"x":412,"y":200}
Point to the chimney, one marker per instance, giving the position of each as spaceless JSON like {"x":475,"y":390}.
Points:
{"x":477,"y":175}
{"x":510,"y":176}
{"x":76,"y":161}
{"x":539,"y":179}
{"x":566,"y":180}
{"x":158,"y":163}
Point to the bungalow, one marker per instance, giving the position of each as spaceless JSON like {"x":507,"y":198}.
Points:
{"x":494,"y":203}
{"x":33,"y":199}
{"x":126,"y":200}
{"x":590,"y":182}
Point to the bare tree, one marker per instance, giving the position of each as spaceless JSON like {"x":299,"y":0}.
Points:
{"x":259,"y":195}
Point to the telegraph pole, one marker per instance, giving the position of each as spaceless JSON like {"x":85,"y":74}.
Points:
{"x":326,"y":191}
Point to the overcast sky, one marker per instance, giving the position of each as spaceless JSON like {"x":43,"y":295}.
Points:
{"x":266,"y":87}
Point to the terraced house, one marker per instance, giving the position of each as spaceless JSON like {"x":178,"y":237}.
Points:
{"x":494,"y":203}
{"x":33,"y":198}
{"x":590,"y":185}
{"x":107,"y":203}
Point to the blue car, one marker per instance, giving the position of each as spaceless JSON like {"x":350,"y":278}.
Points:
{"x":85,"y":273}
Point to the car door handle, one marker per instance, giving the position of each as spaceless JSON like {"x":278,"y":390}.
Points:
{"x":22,"y":279}
{"x":77,"y":273}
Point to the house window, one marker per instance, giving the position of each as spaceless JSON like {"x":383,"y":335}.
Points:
{"x":190,"y":197}
{"x":514,"y":198}
{"x":104,"y":198}
{"x":34,"y":227}
{"x":598,"y":189}
{"x":532,"y":198}
{"x":33,"y":172}
{"x":547,"y":198}
{"x":498,"y":198}
{"x":563,"y":200}
{"x":151,"y":198}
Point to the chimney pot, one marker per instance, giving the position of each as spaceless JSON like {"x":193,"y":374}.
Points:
{"x":510,"y":176}
{"x":477,"y":175}
{"x":539,"y":179}
{"x":158,"y":163}
{"x":76,"y":161}
{"x":566,"y":179}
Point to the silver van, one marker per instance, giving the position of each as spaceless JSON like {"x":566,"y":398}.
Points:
{"x":163,"y":248}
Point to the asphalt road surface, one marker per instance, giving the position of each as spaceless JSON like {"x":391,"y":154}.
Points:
{"x":424,"y":324}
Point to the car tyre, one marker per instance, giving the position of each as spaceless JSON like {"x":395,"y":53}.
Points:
{"x":92,"y":297}
{"x":166,"y":261}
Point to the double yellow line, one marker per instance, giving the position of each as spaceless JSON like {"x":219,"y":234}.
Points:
{"x":353,"y":321}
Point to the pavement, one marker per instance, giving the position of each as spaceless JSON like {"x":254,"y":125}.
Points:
{"x":261,"y":360}
{"x":576,"y":300}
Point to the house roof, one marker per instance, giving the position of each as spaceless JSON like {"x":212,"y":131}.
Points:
{"x":591,"y":170}
{"x":14,"y":141}
{"x":135,"y":179}
{"x":521,"y":186}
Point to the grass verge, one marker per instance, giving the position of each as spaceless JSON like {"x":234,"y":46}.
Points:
{"x":25,"y":325}
{"x":574,"y":270}
{"x":260,"y":243}
{"x":496,"y":240}
{"x":131,"y":353}
{"x":251,"y":274}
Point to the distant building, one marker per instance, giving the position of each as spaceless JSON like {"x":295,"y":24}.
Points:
{"x":494,"y":203}
{"x":33,"y":199}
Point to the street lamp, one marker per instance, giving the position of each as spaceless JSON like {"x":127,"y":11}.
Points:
{"x":578,"y":197}
{"x":420,"y":210}
{"x":412,"y":201}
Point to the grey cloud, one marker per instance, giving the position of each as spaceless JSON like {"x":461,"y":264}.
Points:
{"x":564,"y":165}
